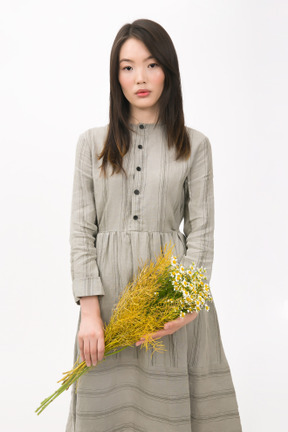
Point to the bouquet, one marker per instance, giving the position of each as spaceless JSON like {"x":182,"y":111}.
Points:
{"x":160,"y":292}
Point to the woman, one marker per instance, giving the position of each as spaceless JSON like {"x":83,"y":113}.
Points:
{"x":154,"y":171}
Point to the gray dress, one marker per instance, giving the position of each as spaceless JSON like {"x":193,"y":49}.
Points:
{"x":115,"y":223}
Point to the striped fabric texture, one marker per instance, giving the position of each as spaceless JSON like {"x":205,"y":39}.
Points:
{"x":117,"y":223}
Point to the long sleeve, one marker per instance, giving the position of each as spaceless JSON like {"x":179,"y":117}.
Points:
{"x":199,"y":210}
{"x":83,"y":229}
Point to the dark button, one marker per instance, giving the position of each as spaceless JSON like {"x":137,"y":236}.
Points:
{"x":140,"y":146}
{"x":136,"y":191}
{"x":135,"y":217}
{"x":141,"y":126}
{"x":138,"y":168}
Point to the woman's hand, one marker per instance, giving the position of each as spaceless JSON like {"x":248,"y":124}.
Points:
{"x":91,"y":331}
{"x":171,"y":327}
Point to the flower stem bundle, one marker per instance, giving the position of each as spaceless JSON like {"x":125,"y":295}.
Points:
{"x":160,"y":292}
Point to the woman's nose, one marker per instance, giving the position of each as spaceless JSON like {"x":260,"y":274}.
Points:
{"x":140,"y":76}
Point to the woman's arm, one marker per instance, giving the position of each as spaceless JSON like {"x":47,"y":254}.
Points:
{"x":87,"y":284}
{"x":199,"y":210}
{"x":83,"y":228}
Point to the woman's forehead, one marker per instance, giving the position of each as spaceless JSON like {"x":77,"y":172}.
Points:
{"x":134,"y":49}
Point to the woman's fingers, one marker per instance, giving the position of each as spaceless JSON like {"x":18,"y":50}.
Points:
{"x":91,"y":339}
{"x":156,"y":335}
{"x":171,"y":326}
{"x":93,"y":351}
{"x":101,"y":348}
{"x":87,"y":356}
{"x":81,"y":348}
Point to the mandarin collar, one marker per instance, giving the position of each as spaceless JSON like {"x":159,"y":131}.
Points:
{"x":145,"y":128}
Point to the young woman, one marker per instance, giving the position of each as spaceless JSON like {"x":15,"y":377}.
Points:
{"x":135,"y":180}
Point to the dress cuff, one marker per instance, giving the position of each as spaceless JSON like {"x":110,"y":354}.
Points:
{"x":87,"y":287}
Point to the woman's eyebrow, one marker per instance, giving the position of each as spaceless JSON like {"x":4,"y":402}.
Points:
{"x":131,"y":61}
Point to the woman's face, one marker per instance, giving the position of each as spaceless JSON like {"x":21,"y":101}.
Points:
{"x":141,"y":78}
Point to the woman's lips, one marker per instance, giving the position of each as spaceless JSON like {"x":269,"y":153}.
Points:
{"x":143,"y":93}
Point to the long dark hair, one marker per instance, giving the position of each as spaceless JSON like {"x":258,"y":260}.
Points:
{"x":161,"y":47}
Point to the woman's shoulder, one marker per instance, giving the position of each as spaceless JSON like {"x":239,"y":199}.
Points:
{"x":94,"y":137}
{"x":200,"y":143}
{"x":95,"y":133}
{"x":196,"y":136}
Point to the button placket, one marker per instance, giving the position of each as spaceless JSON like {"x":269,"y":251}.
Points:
{"x":138,"y":177}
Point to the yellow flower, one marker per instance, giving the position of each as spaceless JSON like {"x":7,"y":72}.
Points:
{"x":173,"y":260}
{"x":182,"y":269}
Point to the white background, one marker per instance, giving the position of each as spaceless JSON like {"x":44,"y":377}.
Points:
{"x":55,"y":85}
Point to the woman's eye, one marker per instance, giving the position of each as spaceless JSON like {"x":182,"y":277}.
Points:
{"x":153,"y":65}
{"x":127,"y":68}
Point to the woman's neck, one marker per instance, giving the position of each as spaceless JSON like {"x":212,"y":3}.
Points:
{"x":143,"y":117}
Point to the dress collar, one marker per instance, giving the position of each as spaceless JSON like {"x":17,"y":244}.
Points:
{"x":144,"y":128}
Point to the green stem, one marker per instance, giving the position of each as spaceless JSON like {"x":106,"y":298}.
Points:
{"x":68,"y":382}
{"x":61,"y":389}
{"x":114,"y":352}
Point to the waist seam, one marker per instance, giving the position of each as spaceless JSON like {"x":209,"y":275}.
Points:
{"x":129,"y":231}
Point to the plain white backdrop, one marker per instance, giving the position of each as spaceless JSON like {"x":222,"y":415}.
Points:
{"x":54,"y":65}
